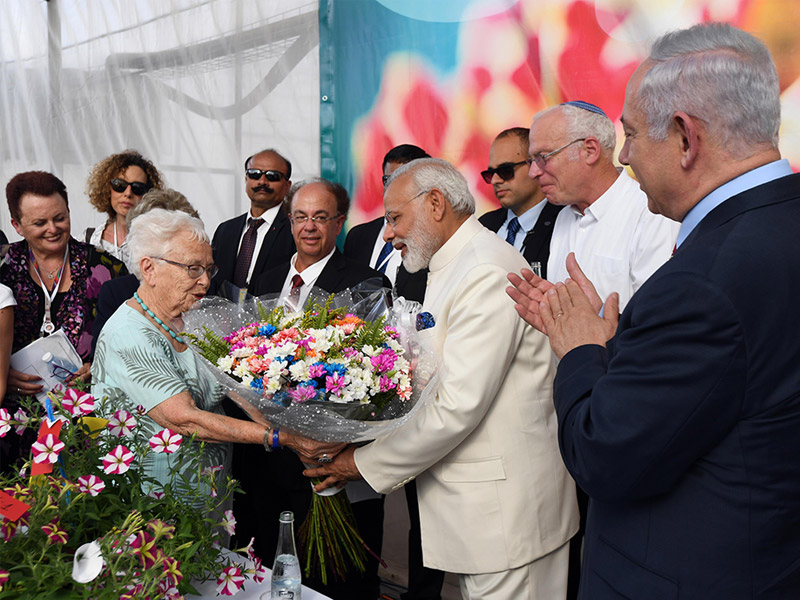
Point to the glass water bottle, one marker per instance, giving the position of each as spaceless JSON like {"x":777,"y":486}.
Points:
{"x":286,"y":570}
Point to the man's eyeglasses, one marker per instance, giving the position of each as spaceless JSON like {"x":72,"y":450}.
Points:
{"x":318,"y":220}
{"x":194,"y":271}
{"x":504,"y":171}
{"x":137,"y":187}
{"x":271,"y":175}
{"x":385,"y":179}
{"x":391,"y":220}
{"x":541,"y":159}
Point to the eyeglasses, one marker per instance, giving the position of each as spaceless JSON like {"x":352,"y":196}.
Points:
{"x":393,"y":220}
{"x":541,"y":159}
{"x":194,"y":271}
{"x":385,"y":179}
{"x":271,"y":175}
{"x":504,"y":171}
{"x":137,"y":187}
{"x":318,"y":220}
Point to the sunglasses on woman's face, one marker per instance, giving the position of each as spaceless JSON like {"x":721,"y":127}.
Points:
{"x":137,"y":187}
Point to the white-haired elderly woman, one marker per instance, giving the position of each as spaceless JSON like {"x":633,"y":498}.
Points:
{"x":142,"y":363}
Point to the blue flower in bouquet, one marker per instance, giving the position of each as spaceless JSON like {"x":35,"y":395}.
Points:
{"x":267,"y":330}
{"x":337,"y":368}
{"x":257,"y":384}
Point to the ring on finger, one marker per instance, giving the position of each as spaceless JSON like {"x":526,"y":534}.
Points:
{"x":324,"y":459}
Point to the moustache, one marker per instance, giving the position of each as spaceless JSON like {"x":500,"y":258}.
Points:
{"x":262,"y":188}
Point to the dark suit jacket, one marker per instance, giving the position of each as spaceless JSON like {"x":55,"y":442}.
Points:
{"x":113,"y":294}
{"x":3,"y":239}
{"x":685,"y":430}
{"x":278,"y":248}
{"x":537,"y":243}
{"x":359,"y":245}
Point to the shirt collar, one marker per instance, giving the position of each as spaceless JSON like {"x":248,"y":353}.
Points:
{"x":268,"y":215}
{"x":604,"y":202}
{"x":527,"y":220}
{"x":745,"y":181}
{"x":312,"y":272}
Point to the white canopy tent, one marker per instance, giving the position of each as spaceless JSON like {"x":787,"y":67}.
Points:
{"x":195,"y":85}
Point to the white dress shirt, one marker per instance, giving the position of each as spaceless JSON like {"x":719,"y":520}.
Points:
{"x":269,"y":217}
{"x":310,"y":275}
{"x":527,"y":221}
{"x":395,"y":258}
{"x":618,"y":242}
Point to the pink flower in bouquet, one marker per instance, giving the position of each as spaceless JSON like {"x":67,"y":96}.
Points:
{"x":259,"y":571}
{"x":334,"y":383}
{"x":230,"y":581}
{"x":302,"y":393}
{"x":171,"y":568}
{"x":257,"y":364}
{"x":91,"y":484}
{"x":77,"y":403}
{"x":5,"y":422}
{"x":118,"y":460}
{"x":144,"y":546}
{"x":392,"y":332}
{"x":47,"y":450}
{"x":287,"y":334}
{"x":386,"y":384}
{"x":384,"y":361}
{"x":350,"y":352}
{"x":166,"y":440}
{"x":229,"y":522}
{"x":22,"y":418}
{"x":316,"y":370}
{"x":54,"y":533}
{"x":122,"y":423}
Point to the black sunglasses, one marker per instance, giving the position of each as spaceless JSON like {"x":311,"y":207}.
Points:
{"x":256,"y":174}
{"x":504,"y":171}
{"x":137,"y":187}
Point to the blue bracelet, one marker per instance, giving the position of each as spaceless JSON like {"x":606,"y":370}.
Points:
{"x":275,"y":444}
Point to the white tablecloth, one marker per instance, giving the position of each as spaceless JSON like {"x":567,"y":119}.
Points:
{"x":252,"y":591}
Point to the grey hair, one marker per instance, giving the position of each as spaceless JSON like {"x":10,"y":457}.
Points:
{"x":720,"y":75}
{"x":167,"y":199}
{"x":582,"y":123}
{"x":153,"y":234}
{"x":430,"y":173}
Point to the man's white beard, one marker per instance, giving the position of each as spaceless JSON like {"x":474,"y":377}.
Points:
{"x":421,"y":244}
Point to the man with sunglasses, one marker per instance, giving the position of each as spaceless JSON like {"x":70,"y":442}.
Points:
{"x":617,"y":241}
{"x":525,"y":218}
{"x":260,"y":239}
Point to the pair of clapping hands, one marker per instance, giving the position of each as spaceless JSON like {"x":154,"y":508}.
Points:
{"x":568,"y":313}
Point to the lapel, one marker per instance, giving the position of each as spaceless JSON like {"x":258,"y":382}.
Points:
{"x":278,"y":228}
{"x":537,"y":242}
{"x":229,"y":247}
{"x":331,"y":276}
{"x":494,"y":219}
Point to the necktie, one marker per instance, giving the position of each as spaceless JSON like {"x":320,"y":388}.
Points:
{"x":246,"y":253}
{"x":513,"y":228}
{"x":297,"y":283}
{"x":383,"y":257}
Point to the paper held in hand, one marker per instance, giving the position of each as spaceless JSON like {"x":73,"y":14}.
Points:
{"x":53,"y":358}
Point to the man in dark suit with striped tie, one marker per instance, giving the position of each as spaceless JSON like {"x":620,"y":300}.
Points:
{"x":525,"y":218}
{"x":365,"y":243}
{"x":252,"y":243}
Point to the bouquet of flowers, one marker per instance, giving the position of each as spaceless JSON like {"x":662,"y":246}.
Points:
{"x":76,"y":521}
{"x":340,"y":370}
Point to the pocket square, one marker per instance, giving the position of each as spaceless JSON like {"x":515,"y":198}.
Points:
{"x":425,"y":320}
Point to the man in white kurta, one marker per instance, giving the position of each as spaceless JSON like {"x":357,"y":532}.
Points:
{"x":496,"y":503}
{"x":617,"y":241}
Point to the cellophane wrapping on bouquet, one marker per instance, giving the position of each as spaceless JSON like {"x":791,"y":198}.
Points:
{"x":348,"y":368}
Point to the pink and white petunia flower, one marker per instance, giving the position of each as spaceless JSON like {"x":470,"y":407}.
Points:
{"x":22,"y":418}
{"x":91,"y":484}
{"x":47,"y":450}
{"x":230,"y":581}
{"x":259,"y":571}
{"x":77,"y":403}
{"x":122,"y":423}
{"x":229,"y":522}
{"x":5,"y":422}
{"x":166,"y":440}
{"x":118,"y":460}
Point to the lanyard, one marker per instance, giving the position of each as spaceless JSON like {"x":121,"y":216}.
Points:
{"x":47,"y":323}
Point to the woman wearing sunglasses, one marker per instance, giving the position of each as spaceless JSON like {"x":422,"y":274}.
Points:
{"x":115,"y":185}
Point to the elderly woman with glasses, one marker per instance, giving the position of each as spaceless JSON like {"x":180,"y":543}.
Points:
{"x":115,"y":185}
{"x":142,"y":364}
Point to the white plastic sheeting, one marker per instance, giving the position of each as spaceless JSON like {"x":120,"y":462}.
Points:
{"x":194,"y":85}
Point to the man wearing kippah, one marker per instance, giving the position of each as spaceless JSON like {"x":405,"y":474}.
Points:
{"x":617,"y":241}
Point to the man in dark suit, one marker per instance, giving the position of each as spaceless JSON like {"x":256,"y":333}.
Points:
{"x":274,"y":482}
{"x":683,"y":426}
{"x":252,"y":243}
{"x":525,"y":218}
{"x":365,"y":242}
